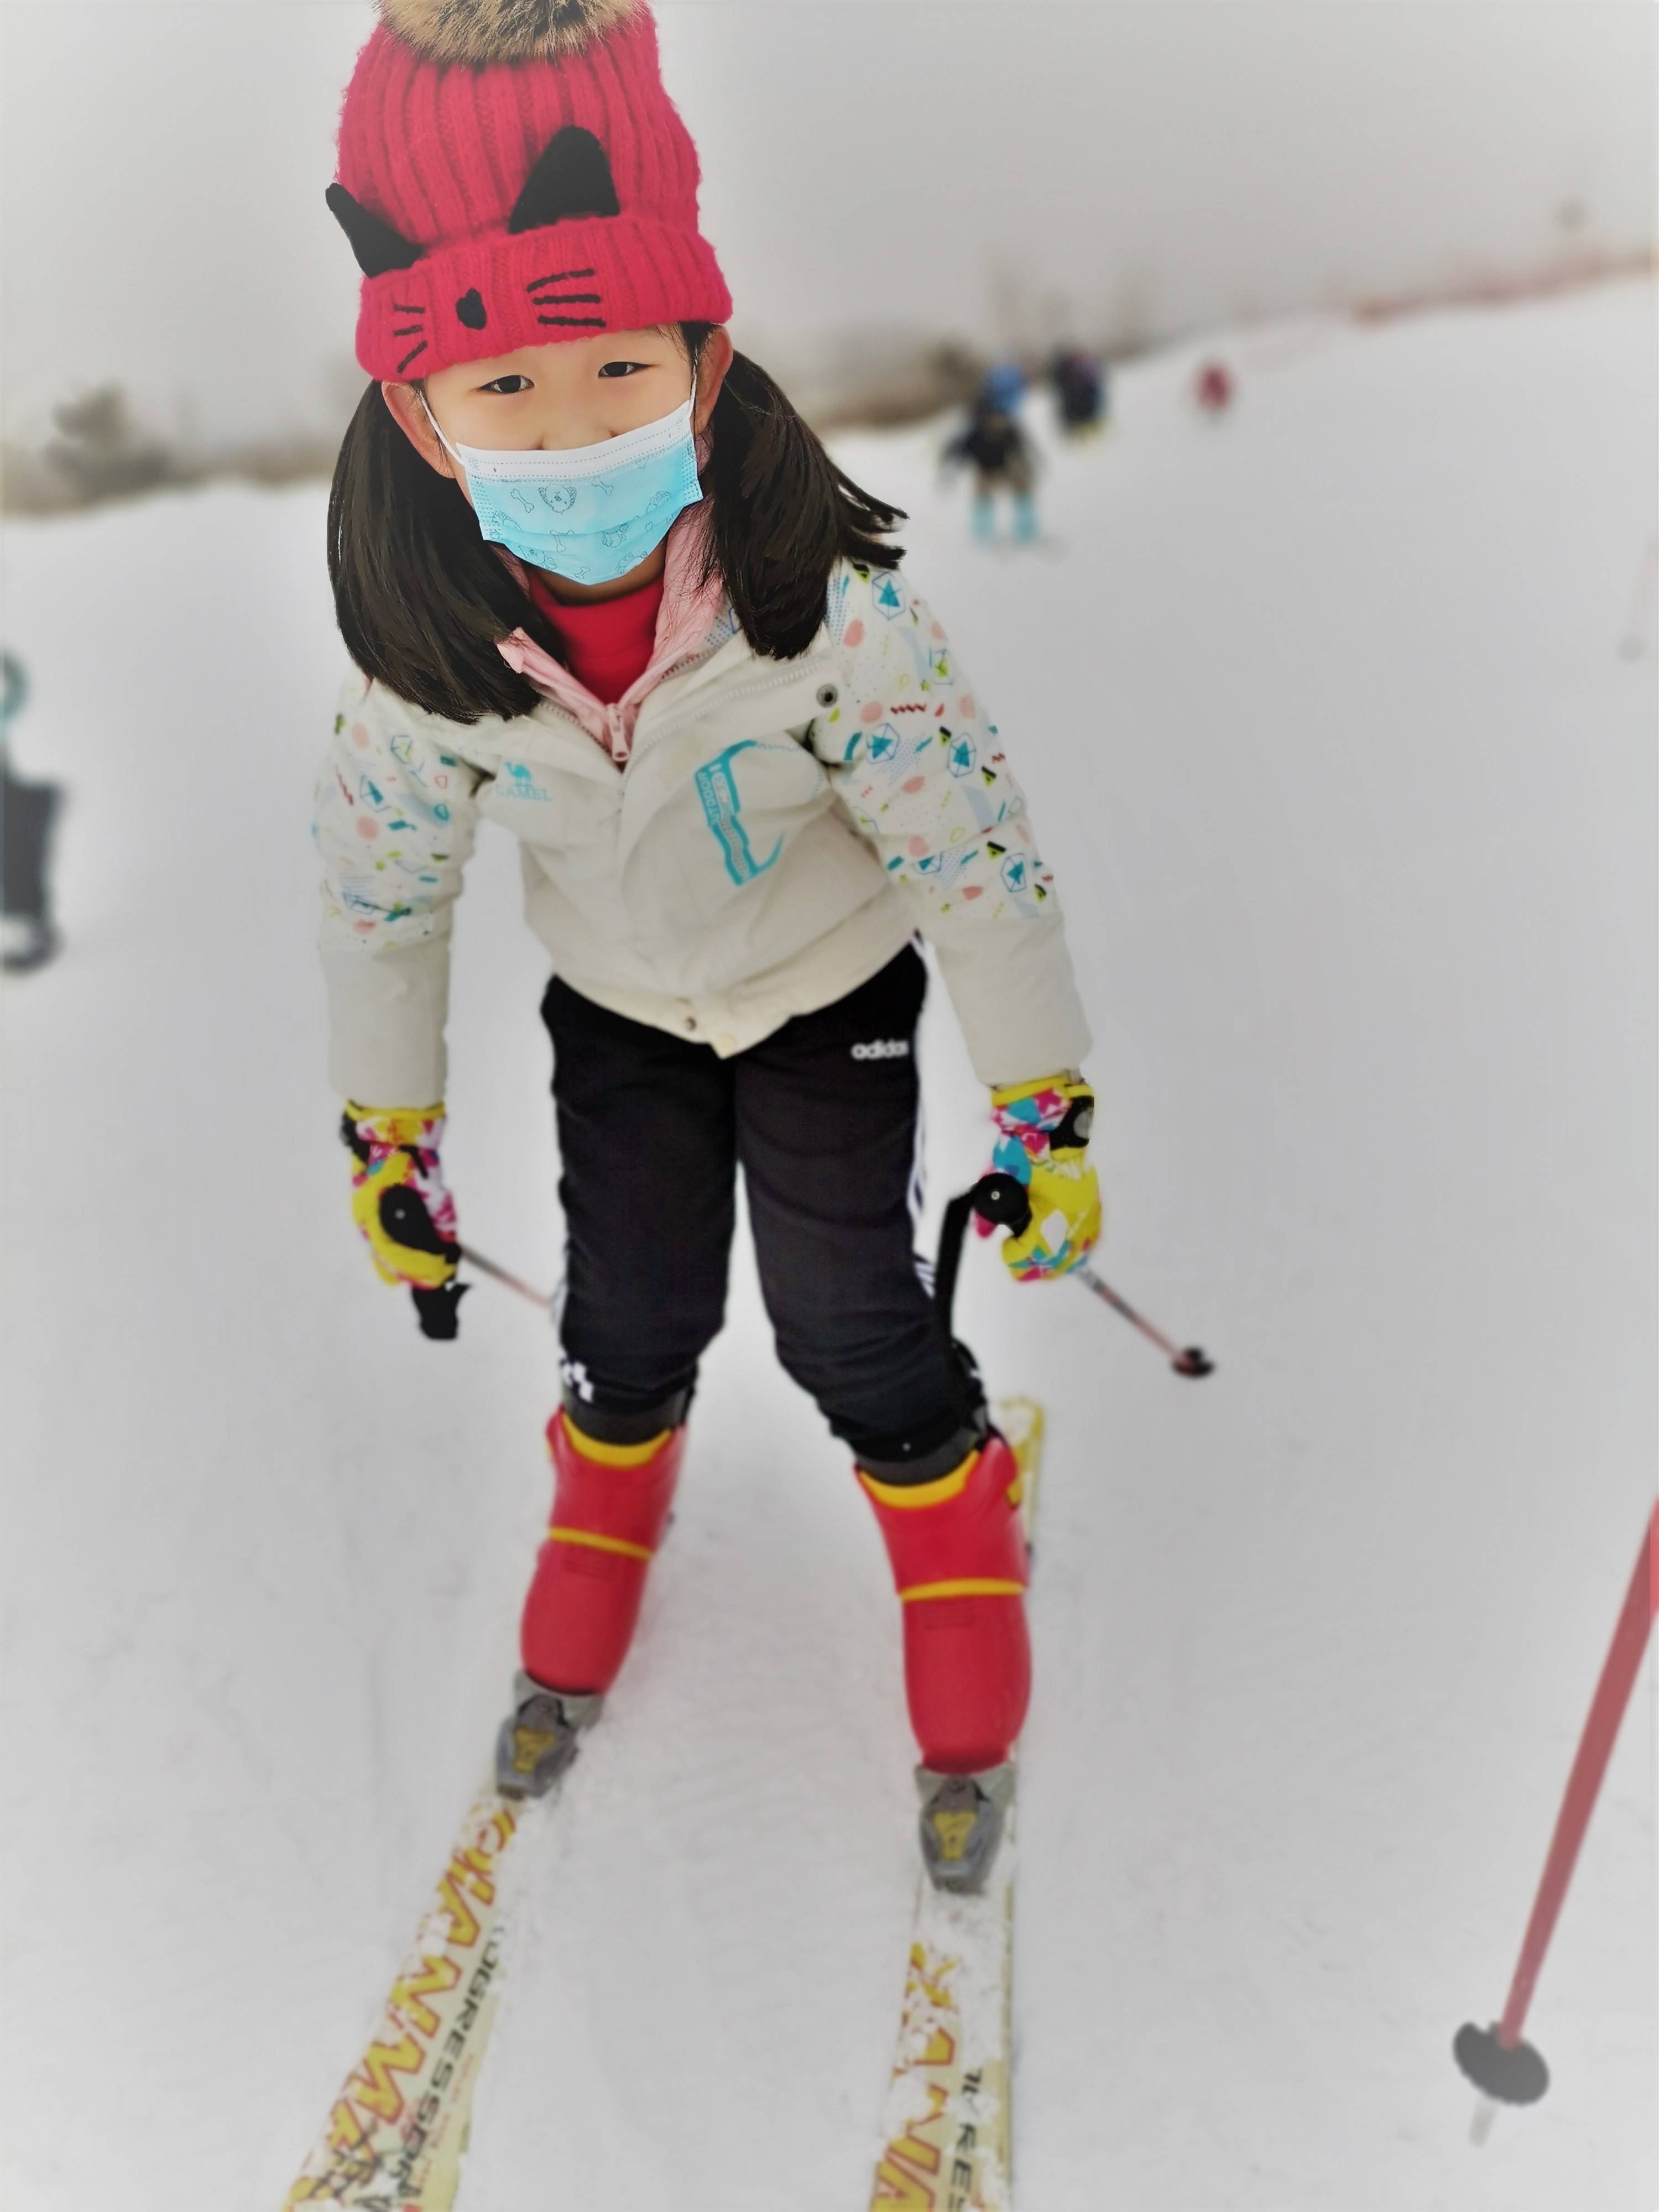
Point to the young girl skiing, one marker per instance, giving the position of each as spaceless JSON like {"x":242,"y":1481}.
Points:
{"x":603,"y":586}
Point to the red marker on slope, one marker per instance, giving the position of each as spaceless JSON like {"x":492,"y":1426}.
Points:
{"x":1496,"y":2059}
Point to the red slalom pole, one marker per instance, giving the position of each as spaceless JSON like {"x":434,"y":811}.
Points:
{"x":1496,"y":2059}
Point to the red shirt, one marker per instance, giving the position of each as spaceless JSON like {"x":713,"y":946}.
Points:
{"x":606,"y":643}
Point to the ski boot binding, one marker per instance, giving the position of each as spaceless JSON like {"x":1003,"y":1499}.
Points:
{"x":539,"y":1738}
{"x":963,"y":1818}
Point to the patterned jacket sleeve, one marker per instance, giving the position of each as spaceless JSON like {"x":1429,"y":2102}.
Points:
{"x":923,"y":777}
{"x":394,"y":822}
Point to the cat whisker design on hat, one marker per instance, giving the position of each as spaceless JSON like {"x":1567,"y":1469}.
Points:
{"x":416,"y":329}
{"x":540,"y":296}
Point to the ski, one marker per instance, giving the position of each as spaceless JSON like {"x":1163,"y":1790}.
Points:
{"x":947,"y":2132}
{"x":396,"y":2131}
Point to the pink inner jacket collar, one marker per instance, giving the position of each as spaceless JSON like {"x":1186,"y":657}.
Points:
{"x":689,"y":609}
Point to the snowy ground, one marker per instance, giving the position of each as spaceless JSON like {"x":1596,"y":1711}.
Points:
{"x":1350,"y":797}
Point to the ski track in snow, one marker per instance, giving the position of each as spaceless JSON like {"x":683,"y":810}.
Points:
{"x":1349,"y":795}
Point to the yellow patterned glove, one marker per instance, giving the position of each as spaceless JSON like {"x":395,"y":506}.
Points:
{"x":1043,"y":1137}
{"x":397,"y":1196}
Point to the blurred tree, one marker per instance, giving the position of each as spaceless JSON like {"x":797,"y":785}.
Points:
{"x":100,"y":451}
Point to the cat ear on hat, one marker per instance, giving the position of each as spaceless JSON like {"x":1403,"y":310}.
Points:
{"x":572,"y":177}
{"x":377,"y":246}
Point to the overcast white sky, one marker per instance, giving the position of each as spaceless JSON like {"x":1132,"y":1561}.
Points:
{"x":958,"y":166}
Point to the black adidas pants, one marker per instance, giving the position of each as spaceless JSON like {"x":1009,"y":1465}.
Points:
{"x":822,"y":1116}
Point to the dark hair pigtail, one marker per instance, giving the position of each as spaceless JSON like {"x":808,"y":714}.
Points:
{"x":420,"y":596}
{"x":783,"y":512}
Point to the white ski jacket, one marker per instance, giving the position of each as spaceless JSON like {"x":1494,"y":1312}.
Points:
{"x":778,"y":831}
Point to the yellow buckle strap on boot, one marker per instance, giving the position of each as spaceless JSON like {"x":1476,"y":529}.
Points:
{"x":605,"y":1455}
{"x":906,"y":1495}
{"x":909,"y":1495}
{"x":971,"y":1586}
{"x":619,"y":1544}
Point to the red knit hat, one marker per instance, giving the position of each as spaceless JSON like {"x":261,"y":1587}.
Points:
{"x":513,"y":173}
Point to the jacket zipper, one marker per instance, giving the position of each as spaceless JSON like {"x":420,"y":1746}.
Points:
{"x":751,"y":688}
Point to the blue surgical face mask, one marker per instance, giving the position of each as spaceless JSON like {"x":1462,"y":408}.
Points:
{"x":591,"y":513}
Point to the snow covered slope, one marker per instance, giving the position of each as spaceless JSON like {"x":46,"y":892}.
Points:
{"x":1350,"y":798}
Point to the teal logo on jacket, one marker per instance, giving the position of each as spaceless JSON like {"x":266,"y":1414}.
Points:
{"x":722,"y":809}
{"x":520,"y":782}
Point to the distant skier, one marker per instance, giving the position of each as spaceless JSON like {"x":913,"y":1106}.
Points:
{"x":604,"y":587}
{"x":1080,"y":390}
{"x":1000,"y":454}
{"x":1003,"y":386}
{"x":28,"y":812}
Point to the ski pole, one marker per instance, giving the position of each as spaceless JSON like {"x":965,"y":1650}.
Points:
{"x":406,"y":1221}
{"x":1191,"y":1361}
{"x":1500,"y":2065}
{"x":1002,"y":1199}
{"x":474,"y":1258}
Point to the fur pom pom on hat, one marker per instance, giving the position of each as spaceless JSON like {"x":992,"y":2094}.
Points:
{"x":512,"y":173}
{"x":503,"y":30}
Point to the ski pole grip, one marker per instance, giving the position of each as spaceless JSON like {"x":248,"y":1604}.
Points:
{"x":1002,"y":1199}
{"x":997,"y":1198}
{"x":406,"y":1221}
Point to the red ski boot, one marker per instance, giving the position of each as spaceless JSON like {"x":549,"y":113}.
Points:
{"x":609,"y":1505}
{"x":958,"y":1559}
